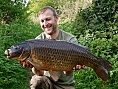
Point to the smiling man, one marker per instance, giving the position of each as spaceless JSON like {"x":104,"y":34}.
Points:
{"x":42,"y":79}
{"x":48,"y":21}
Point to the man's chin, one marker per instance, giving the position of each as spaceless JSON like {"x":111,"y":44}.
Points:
{"x":49,"y":32}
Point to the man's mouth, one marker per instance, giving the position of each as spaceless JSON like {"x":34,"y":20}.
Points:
{"x":47,"y":27}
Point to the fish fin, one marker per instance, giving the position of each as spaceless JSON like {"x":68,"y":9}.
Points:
{"x":102,"y":73}
{"x":103,"y":69}
{"x":105,"y":63}
{"x":37,"y":66}
{"x":64,"y":72}
{"x":67,"y":73}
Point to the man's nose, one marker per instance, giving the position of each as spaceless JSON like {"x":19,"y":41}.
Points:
{"x":45,"y":22}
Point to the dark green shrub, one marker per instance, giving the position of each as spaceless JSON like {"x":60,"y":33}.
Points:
{"x":11,"y":10}
{"x":97,"y":29}
{"x":12,"y":74}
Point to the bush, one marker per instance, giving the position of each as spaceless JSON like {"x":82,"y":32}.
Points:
{"x":94,"y":27}
{"x":12,"y":74}
{"x":11,"y":10}
{"x":97,"y":29}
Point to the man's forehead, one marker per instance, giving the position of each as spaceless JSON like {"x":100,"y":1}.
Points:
{"x":47,"y":12}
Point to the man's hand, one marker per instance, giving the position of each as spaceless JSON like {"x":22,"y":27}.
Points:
{"x":38,"y":72}
{"x":26,"y":64}
{"x":78,"y":67}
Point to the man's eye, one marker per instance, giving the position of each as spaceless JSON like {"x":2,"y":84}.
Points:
{"x":42,"y":20}
{"x":48,"y":19}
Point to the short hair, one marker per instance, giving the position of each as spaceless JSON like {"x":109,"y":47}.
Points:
{"x":45,"y":8}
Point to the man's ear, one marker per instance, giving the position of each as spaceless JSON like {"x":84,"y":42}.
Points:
{"x":57,"y":17}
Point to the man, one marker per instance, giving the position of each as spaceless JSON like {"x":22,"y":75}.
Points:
{"x":48,"y":19}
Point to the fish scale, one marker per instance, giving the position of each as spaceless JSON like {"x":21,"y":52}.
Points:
{"x":50,"y":49}
{"x":58,"y":55}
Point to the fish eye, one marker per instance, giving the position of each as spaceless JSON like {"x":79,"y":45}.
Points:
{"x":16,"y":47}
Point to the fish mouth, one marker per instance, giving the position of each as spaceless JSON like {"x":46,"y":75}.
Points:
{"x":7,"y":53}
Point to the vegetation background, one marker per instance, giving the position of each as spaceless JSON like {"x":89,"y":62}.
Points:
{"x":94,"y":23}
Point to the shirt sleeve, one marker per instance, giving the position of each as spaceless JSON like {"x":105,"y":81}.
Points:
{"x":38,"y":37}
{"x":73,"y":40}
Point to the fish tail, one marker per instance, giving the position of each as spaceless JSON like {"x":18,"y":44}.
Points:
{"x":103,"y":69}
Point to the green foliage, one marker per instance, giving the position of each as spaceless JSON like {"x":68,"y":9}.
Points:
{"x":12,"y":74}
{"x":11,"y":10}
{"x":36,"y":5}
{"x":97,"y":28}
{"x":101,"y":15}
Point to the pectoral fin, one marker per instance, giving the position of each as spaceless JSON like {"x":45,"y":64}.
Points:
{"x":36,"y":65}
{"x":67,"y":73}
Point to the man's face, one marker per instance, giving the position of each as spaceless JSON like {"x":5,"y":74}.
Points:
{"x":48,"y":22}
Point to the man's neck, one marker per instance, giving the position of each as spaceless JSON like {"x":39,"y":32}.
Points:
{"x":53,"y":36}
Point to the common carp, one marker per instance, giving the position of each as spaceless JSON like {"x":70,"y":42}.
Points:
{"x":58,"y":55}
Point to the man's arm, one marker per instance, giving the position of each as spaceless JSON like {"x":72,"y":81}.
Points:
{"x":26,"y":64}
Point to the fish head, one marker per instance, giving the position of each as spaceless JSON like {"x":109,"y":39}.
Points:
{"x":16,"y":51}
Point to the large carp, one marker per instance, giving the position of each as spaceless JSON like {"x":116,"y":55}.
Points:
{"x":58,"y":55}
